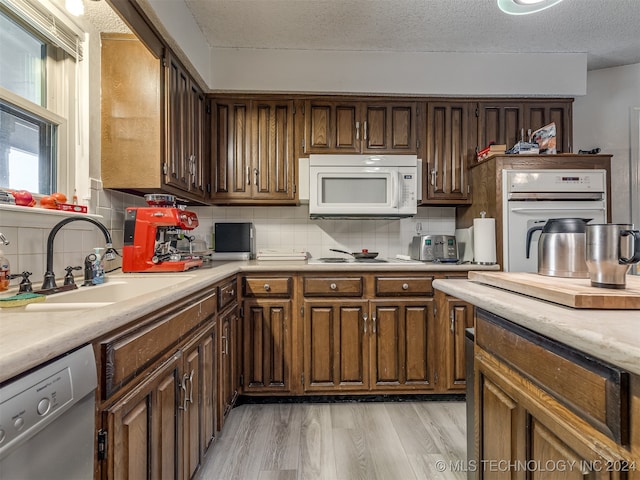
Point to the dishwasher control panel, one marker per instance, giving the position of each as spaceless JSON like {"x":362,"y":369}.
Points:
{"x":33,"y":401}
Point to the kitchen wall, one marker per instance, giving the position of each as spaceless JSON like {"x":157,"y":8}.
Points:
{"x":602,"y":118}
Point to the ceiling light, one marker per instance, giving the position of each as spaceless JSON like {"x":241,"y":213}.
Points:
{"x":522,"y":7}
{"x":74,"y":7}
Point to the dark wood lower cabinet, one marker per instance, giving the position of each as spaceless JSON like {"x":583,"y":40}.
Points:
{"x":267,"y":347}
{"x":528,"y":428}
{"x":360,"y":345}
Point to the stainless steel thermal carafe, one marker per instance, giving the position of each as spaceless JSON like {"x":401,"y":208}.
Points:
{"x":611,"y":250}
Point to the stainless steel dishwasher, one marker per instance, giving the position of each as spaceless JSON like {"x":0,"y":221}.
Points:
{"x":47,"y":420}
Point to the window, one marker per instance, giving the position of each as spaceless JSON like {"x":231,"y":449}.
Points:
{"x":38,"y":94}
{"x":27,"y":151}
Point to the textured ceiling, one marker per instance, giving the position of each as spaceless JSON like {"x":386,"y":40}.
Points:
{"x":607,"y":30}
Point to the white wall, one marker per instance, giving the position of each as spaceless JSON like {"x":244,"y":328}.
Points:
{"x":401,"y":73}
{"x":601,"y":118}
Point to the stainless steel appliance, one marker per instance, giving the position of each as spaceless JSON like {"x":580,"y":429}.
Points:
{"x":532,"y":197}
{"x":47,"y":420}
{"x":234,"y":241}
{"x":561,"y":247}
{"x":363,"y":186}
{"x":610,"y":252}
{"x":434,"y":248}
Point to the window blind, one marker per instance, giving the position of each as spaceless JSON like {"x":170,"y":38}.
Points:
{"x":46,"y":23}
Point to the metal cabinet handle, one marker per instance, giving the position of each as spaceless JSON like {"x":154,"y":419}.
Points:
{"x":365,"y":317}
{"x":357,"y":130}
{"x":375,"y":328}
{"x":405,"y":286}
{"x":267,"y":287}
{"x":232,"y":292}
{"x":248,"y":176}
{"x":365,"y":130}
{"x":225,"y":345}
{"x":433,"y":177}
{"x":452,"y":322}
{"x":190,"y":387}
{"x":255,"y":173}
{"x":333,"y":286}
{"x":183,"y":386}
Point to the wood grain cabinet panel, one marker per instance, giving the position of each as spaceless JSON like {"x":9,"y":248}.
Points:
{"x":401,"y":342}
{"x":360,"y":126}
{"x":336,"y":354}
{"x":267,"y":286}
{"x":267,"y":345}
{"x":531,"y":428}
{"x":333,"y":286}
{"x":253,"y":151}
{"x":455,"y":317}
{"x":447,"y":153}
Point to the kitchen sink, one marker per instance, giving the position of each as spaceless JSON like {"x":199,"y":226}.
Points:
{"x":116,"y":289}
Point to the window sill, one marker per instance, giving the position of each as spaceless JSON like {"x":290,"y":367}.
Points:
{"x":19,"y":216}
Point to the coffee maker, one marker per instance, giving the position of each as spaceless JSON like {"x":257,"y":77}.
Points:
{"x":151,"y":235}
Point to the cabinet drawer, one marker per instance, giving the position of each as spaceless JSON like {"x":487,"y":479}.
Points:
{"x":128,"y":354}
{"x":333,"y":286}
{"x":227,"y":293}
{"x":398,"y":286}
{"x":593,"y":390}
{"x":266,"y":286}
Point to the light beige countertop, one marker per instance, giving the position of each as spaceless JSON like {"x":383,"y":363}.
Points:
{"x":28,"y":339}
{"x":609,"y":335}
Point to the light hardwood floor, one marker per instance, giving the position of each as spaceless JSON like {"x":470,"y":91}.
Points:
{"x":340,"y":441}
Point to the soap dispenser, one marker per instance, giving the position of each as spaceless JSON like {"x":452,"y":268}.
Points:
{"x":97,"y":267}
{"x":5,"y":269}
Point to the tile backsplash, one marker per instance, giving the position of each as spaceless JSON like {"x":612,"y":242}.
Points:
{"x":291,"y":228}
{"x":276,"y":227}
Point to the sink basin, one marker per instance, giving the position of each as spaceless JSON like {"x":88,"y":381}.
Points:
{"x":115,"y":289}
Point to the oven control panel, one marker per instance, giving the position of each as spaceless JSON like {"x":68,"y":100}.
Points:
{"x":555,"y":180}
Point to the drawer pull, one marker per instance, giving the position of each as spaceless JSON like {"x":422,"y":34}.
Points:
{"x":375,"y":329}
{"x":232,"y":292}
{"x":364,"y":317}
{"x":333,"y":286}
{"x":405,"y":286}
{"x":190,"y":388}
{"x":183,"y":386}
{"x":267,"y":287}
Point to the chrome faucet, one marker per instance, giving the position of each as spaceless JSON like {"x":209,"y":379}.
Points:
{"x":49,"y":277}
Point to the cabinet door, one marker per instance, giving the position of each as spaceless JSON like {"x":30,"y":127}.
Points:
{"x":143,"y":428}
{"x":227,"y":385}
{"x":336,"y":346}
{"x":197,"y":153}
{"x":272,"y":152}
{"x":231,"y":174}
{"x":176,"y":171}
{"x":456,"y":317}
{"x":389,"y":128}
{"x":445,"y":176}
{"x":332,"y":127}
{"x":402,"y":344}
{"x":500,"y":122}
{"x":267,"y":345}
{"x":538,"y":115}
{"x":502,"y":430}
{"x":197,"y":399}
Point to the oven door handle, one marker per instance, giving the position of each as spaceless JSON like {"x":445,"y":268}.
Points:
{"x":563,"y":209}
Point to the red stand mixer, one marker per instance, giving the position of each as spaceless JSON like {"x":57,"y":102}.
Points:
{"x":151,"y":235}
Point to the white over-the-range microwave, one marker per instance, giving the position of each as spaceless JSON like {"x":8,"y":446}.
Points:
{"x":360,"y":186}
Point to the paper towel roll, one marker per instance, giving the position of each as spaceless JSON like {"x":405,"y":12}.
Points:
{"x":484,"y":240}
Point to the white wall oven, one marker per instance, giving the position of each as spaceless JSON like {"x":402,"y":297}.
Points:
{"x":363,"y":186}
{"x":531,"y":197}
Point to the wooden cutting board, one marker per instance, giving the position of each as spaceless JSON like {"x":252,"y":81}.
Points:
{"x":572,"y":292}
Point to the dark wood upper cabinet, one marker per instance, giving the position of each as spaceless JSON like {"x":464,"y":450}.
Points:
{"x":448,"y":150}
{"x":508,"y":122}
{"x":353,"y":126}
{"x":253,"y":151}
